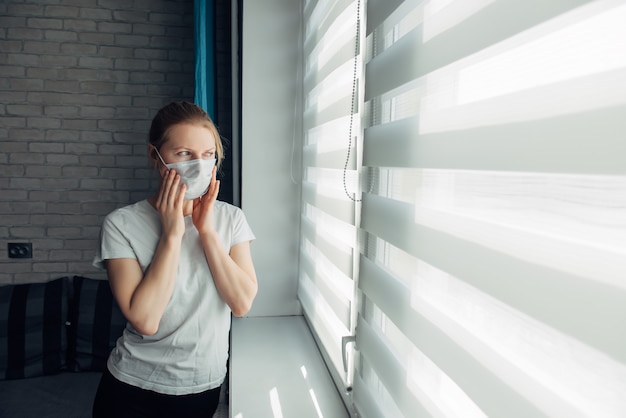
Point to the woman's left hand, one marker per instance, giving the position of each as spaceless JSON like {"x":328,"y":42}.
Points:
{"x":231,"y":268}
{"x":202,"y":214}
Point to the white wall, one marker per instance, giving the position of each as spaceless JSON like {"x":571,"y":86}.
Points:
{"x":270,"y":199}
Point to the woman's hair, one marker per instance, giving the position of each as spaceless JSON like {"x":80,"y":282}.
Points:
{"x":177,"y":113}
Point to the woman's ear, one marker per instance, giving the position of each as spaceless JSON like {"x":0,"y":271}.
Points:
{"x":152,"y":155}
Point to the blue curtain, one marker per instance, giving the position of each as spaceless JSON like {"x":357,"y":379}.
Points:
{"x":204,"y":95}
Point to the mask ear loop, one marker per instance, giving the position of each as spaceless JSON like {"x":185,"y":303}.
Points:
{"x":160,"y":158}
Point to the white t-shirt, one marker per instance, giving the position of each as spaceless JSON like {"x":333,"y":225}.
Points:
{"x":189,"y":351}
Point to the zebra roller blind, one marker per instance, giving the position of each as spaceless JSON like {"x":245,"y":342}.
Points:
{"x":331,"y":123}
{"x":493,"y":270}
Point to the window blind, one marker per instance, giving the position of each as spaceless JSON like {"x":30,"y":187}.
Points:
{"x":492,"y":272}
{"x":328,"y":247}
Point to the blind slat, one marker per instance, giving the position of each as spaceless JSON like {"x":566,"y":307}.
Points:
{"x":315,"y":116}
{"x":495,"y":22}
{"x":322,"y":16}
{"x":390,"y":370}
{"x":344,"y":53}
{"x":341,"y":208}
{"x":488,"y":391}
{"x":379,"y":10}
{"x":365,"y":400}
{"x":339,"y":305}
{"x":524,"y":146}
{"x":337,"y":253}
{"x":316,"y":310}
{"x":581,"y":304}
{"x":333,"y":159}
{"x":383,"y":73}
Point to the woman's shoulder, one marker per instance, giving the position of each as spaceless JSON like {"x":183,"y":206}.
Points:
{"x":227,"y":210}
{"x":135,"y":210}
{"x":225,"y":206}
{"x":231,"y":220}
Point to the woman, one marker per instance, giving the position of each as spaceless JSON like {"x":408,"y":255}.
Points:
{"x":178,"y":264}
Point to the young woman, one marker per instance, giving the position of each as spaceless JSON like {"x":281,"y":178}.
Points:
{"x":178,"y":264}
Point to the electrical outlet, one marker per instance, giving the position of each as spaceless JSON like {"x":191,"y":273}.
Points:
{"x":20,"y":250}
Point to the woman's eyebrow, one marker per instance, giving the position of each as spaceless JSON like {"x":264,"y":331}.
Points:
{"x":183,"y":148}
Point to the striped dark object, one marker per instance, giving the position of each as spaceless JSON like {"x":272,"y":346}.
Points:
{"x":96,"y":324}
{"x":32,"y":329}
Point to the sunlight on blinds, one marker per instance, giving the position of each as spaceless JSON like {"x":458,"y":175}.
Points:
{"x":328,"y":233}
{"x":435,"y":391}
{"x":530,"y":355}
{"x":331,"y":90}
{"x":327,"y":325}
{"x":548,"y":71}
{"x":441,"y":15}
{"x":334,"y":277}
{"x":542,"y":218}
{"x":323,"y":135}
{"x":556,"y":371}
{"x":340,"y":32}
{"x":493,"y":235}
{"x":341,"y":241}
{"x":579,"y":49}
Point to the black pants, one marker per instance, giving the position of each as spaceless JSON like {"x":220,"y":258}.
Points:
{"x":115,"y":399}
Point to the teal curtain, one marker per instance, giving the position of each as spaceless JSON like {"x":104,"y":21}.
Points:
{"x":204,"y":95}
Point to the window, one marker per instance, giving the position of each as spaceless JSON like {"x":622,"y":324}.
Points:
{"x":492,"y":226}
{"x":328,"y":250}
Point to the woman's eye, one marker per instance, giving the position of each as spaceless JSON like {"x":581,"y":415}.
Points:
{"x":184,"y":153}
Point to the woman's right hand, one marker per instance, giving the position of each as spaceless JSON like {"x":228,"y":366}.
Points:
{"x":169,"y":204}
{"x":144,"y":295}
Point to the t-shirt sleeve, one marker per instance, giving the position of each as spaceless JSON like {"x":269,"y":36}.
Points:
{"x":241,"y":229}
{"x":113,"y":244}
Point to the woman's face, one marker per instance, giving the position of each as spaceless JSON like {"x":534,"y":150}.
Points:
{"x":186,"y":142}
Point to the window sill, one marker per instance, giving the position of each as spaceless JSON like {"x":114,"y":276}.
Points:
{"x":276,"y":370}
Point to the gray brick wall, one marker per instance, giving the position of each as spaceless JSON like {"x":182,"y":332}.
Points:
{"x":79,"y":83}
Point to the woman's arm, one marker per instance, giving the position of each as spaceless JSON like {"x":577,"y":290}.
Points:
{"x":232,"y":270}
{"x":144,"y":297}
{"x":233,"y":273}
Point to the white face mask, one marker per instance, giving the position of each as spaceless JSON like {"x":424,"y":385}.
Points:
{"x":196,"y":174}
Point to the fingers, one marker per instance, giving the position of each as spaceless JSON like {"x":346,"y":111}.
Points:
{"x":214,"y":187}
{"x":211,"y":194}
{"x":170,"y":194}
{"x":166,"y":182}
{"x":216,"y":190}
